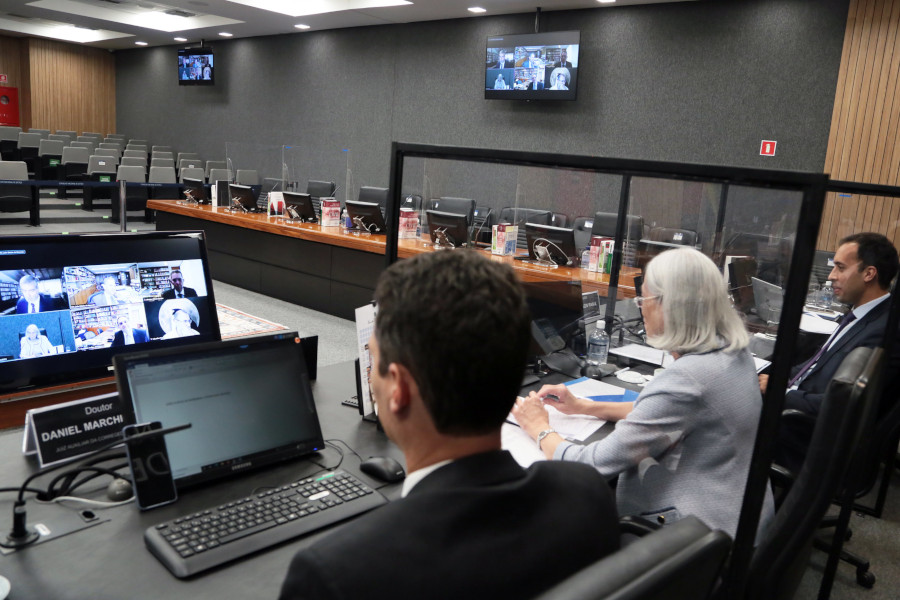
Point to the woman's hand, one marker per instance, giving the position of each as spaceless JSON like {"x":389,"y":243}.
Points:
{"x":559,"y":397}
{"x":531,"y":415}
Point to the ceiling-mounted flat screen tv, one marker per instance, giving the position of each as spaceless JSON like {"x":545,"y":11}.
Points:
{"x":534,"y":66}
{"x":196,"y":66}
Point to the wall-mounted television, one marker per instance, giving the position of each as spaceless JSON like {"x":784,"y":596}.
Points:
{"x":68,"y":303}
{"x":196,"y":66}
{"x":534,"y":66}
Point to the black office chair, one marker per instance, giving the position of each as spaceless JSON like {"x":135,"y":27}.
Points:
{"x":135,"y":196}
{"x":782,"y":555}
{"x":681,"y":561}
{"x":412,"y":201}
{"x":603,"y":224}
{"x":460,"y":206}
{"x":318,"y":190}
{"x":19,"y":197}
{"x":680,"y":237}
{"x":378,"y":195}
{"x":521,"y":216}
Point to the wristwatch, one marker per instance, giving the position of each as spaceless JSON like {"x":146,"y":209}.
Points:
{"x":542,"y":435}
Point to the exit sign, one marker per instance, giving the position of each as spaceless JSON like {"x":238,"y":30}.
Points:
{"x":3,"y":78}
{"x":767,"y":148}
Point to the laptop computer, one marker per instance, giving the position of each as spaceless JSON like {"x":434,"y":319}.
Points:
{"x":769,"y":299}
{"x":248,"y":401}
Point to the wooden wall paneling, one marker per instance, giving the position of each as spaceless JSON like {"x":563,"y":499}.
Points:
{"x":11,"y":60}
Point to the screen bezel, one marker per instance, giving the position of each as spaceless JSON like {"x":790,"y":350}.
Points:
{"x":552,"y":38}
{"x":369,"y":212}
{"x":564,"y":237}
{"x":72,"y":367}
{"x":453,"y":222}
{"x":203,"y":51}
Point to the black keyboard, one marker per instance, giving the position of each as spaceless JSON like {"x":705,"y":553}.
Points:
{"x":209,"y":538}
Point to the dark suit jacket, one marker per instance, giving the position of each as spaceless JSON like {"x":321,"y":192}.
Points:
{"x":794,"y":434}
{"x":140,"y":336}
{"x":169,"y":294}
{"x":480,"y":527}
{"x":566,"y":64}
{"x":46,"y":304}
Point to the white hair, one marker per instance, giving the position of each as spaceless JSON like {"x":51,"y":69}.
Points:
{"x":697,"y":313}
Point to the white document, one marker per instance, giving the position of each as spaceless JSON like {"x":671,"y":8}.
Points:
{"x":646,"y":354}
{"x":514,"y":439}
{"x":365,"y":323}
{"x":571,"y":427}
{"x":812,"y":323}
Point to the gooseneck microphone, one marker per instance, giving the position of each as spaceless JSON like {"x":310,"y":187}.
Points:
{"x":21,"y":535}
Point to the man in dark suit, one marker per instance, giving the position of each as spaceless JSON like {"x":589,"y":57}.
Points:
{"x":864,"y":265}
{"x":32,"y":300}
{"x":178,"y":290}
{"x":126,"y":335}
{"x":563,"y":60}
{"x":448,"y":353}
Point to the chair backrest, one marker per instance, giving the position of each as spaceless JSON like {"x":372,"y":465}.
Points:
{"x":191,"y":163}
{"x":93,"y":134}
{"x":137,"y":142}
{"x":160,"y":154}
{"x":51,"y":148}
{"x":378,"y":195}
{"x":681,"y":237}
{"x":412,"y":201}
{"x":192,"y":155}
{"x":161,"y":148}
{"x":111,"y":145}
{"x":219,"y":175}
{"x":86,"y":145}
{"x":520,"y":216}
{"x":131,"y":173}
{"x":215,"y":164}
{"x":72,"y":134}
{"x":61,"y":138}
{"x":320,"y":189}
{"x":781,"y":557}
{"x":73,"y":154}
{"x":101,"y":164}
{"x":678,"y":562}
{"x":135,"y":161}
{"x":139,"y":147}
{"x":118,"y":136}
{"x":29,"y":140}
{"x":191,"y":173}
{"x":16,"y":170}
{"x":559,"y":220}
{"x":460,"y":206}
{"x":44,"y":133}
{"x":162,"y":162}
{"x":9,"y":132}
{"x":246,"y":177}
{"x":108,"y":152}
{"x":135,"y":154}
{"x":162,"y":175}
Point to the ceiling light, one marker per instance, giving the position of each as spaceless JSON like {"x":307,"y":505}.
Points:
{"x":606,"y":1}
{"x":225,"y":34}
{"x":140,"y":43}
{"x":301,"y":26}
{"x":180,"y":39}
{"x":477,"y":9}
{"x":292,"y":8}
{"x":137,"y":15}
{"x":58,"y":31}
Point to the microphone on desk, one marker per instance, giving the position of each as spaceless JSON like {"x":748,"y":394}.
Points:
{"x":21,"y":534}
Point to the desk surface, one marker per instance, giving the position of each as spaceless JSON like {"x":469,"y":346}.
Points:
{"x":375,"y":244}
{"x":110,"y":561}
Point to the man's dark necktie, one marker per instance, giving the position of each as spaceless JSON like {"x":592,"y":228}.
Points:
{"x":846,"y":320}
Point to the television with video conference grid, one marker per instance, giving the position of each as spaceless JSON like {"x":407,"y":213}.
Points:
{"x":69,"y":303}
{"x":196,"y":66}
{"x":533,"y":66}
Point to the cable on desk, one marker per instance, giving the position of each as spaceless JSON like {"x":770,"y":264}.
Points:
{"x":87,"y":501}
{"x":71,"y":485}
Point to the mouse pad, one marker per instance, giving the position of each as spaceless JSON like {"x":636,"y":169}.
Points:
{"x":54,"y":521}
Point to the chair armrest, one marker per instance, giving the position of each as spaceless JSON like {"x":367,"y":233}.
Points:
{"x":638,"y":526}
{"x":797,"y":416}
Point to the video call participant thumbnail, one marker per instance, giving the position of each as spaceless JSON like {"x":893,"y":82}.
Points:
{"x":32,"y":301}
{"x":448,"y":351}
{"x":178,"y":290}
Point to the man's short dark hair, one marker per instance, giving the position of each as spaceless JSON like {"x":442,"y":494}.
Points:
{"x":460,"y":324}
{"x":875,"y":250}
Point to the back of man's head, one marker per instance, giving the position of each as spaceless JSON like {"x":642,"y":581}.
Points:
{"x":460,"y":324}
{"x":875,"y":250}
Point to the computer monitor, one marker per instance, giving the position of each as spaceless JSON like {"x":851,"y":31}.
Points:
{"x":550,"y":244}
{"x":378,"y":195}
{"x":244,"y":196}
{"x":95,"y":295}
{"x":769,"y":299}
{"x":366,"y":216}
{"x":448,"y":230}
{"x":248,"y":401}
{"x":197,"y":190}
{"x":299,"y":207}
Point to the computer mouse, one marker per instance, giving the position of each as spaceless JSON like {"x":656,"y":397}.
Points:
{"x":597,"y":371}
{"x":383,"y":468}
{"x":119,"y":489}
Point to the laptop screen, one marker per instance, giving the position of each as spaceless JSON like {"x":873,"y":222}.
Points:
{"x":249,"y":403}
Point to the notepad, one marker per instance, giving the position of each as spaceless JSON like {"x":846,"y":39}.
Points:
{"x":598,"y":391}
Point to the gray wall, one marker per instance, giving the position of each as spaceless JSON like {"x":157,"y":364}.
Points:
{"x":696,"y":82}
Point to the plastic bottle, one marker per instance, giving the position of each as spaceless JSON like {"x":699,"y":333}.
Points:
{"x":345,"y":219}
{"x":827,"y":296}
{"x":598,"y":344}
{"x":585,"y":258}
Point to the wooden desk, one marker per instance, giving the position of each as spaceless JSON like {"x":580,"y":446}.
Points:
{"x":528,"y":271}
{"x":324,"y":268}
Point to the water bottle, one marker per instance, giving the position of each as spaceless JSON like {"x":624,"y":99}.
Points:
{"x":598,"y":344}
{"x":585,"y":258}
{"x":346,"y":220}
{"x":827,"y":296}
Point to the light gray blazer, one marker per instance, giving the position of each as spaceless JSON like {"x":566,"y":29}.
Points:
{"x":685,"y":449}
